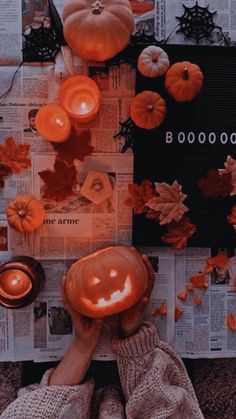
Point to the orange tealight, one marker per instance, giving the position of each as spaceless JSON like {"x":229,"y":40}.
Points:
{"x":53,"y":123}
{"x":80,"y":97}
{"x":14,"y":284}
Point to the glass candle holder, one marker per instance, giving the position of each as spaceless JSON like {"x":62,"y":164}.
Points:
{"x":21,"y":279}
{"x":53,"y":123}
{"x":80,"y":97}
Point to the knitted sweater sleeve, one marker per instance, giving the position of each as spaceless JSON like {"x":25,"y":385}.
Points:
{"x":43,"y":401}
{"x":154,"y":379}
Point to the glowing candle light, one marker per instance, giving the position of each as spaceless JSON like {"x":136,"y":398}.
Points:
{"x":80,"y":97}
{"x":14,"y":284}
{"x":53,"y":123}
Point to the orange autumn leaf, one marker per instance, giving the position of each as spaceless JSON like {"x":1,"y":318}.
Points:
{"x":190,"y":286}
{"x":178,"y":233}
{"x":182,"y":295}
{"x":231,"y":322}
{"x":178,"y":313}
{"x":232,"y":217}
{"x":198,"y":280}
{"x":76,"y":147}
{"x":197,"y":300}
{"x":215,"y":184}
{"x":140,"y":195}
{"x":169,"y":202}
{"x":221,"y":260}
{"x":15,"y":156}
{"x":163,"y":308}
{"x":156,"y":312}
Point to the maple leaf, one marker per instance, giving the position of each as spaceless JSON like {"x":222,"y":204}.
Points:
{"x":182,"y":295}
{"x":76,"y":147}
{"x":140,"y":195}
{"x":178,"y":233}
{"x":169,"y":203}
{"x":232,"y":217}
{"x":215,"y":184}
{"x":59,"y":184}
{"x":230,"y":167}
{"x":4,"y":171}
{"x":15,"y":155}
{"x":221,"y":260}
{"x":231,"y":322}
{"x":178,"y":313}
{"x":197,"y":300}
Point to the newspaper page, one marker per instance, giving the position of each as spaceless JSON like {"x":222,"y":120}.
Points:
{"x":166,"y":24}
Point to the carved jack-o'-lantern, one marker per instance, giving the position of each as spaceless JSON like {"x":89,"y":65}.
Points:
{"x":106,"y":282}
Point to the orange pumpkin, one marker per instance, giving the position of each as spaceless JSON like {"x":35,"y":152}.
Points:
{"x":153,"y":61}
{"x":97,"y":30}
{"x":184,"y":81}
{"x":25,"y":213}
{"x":106,"y":282}
{"x":148,"y":109}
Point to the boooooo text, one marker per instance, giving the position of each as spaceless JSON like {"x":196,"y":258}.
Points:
{"x":200,"y":138}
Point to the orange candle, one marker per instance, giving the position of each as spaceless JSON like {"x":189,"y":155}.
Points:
{"x":53,"y":123}
{"x":80,"y":97}
{"x":14,"y":284}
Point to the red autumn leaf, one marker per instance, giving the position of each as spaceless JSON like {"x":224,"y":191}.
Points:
{"x":232,"y":217}
{"x":221,"y":260}
{"x":4,"y":171}
{"x":198,"y":280}
{"x":215,"y":184}
{"x":15,"y":156}
{"x":76,"y":147}
{"x":178,"y":233}
{"x":59,"y":184}
{"x":163,"y":308}
{"x":178,"y":313}
{"x":190,"y":286}
{"x":156,"y":312}
{"x":197,"y":300}
{"x":182,"y":295}
{"x":231,"y":322}
{"x":140,"y":194}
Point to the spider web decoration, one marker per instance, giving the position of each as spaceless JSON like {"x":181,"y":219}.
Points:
{"x":126,"y":131}
{"x":197,"y":23}
{"x":41,"y":45}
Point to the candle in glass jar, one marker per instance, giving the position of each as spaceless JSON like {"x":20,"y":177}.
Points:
{"x":80,"y":97}
{"x":53,"y":123}
{"x":14,"y":284}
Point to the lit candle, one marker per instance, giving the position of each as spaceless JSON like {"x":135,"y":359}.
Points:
{"x":14,"y":284}
{"x":80,"y":97}
{"x":53,"y":123}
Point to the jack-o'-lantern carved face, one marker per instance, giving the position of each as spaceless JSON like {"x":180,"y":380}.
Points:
{"x":106,"y":282}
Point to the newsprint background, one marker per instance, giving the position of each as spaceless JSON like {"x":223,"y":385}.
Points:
{"x":42,"y":331}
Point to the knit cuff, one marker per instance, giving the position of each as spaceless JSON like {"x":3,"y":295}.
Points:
{"x":138,"y":344}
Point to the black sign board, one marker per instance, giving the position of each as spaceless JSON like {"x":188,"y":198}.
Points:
{"x":194,"y":137}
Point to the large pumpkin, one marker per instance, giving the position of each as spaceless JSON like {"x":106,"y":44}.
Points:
{"x":25,"y":213}
{"x":184,"y":81}
{"x":106,"y":282}
{"x":148,"y":109}
{"x":97,"y":30}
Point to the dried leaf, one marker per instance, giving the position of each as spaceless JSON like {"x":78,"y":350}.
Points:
{"x":140,"y":195}
{"x":169,"y":202}
{"x":4,"y":171}
{"x":230,"y":167}
{"x":197,"y":300}
{"x":232,"y":217}
{"x":163,"y":308}
{"x":156,"y":312}
{"x":220,"y":261}
{"x":182,"y":295}
{"x":215,"y":184}
{"x":15,"y":156}
{"x":76,"y":147}
{"x":190,"y":286}
{"x":198,"y":280}
{"x":231,"y":322}
{"x":178,"y":313}
{"x":178,"y":233}
{"x":59,"y":184}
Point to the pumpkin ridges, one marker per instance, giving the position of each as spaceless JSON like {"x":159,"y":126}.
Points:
{"x":149,"y":67}
{"x":25,"y":213}
{"x":184,"y":89}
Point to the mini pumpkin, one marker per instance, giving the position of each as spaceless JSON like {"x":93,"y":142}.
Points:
{"x":106,"y":282}
{"x":97,"y":30}
{"x":25,"y":213}
{"x":148,"y":109}
{"x":183,"y":81}
{"x":153,"y":61}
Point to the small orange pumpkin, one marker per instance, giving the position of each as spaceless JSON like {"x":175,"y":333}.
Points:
{"x":106,"y":282}
{"x":148,"y":109}
{"x":25,"y":213}
{"x":153,"y":61}
{"x":183,"y":81}
{"x":97,"y":29}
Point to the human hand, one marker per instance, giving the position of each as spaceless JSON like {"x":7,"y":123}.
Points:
{"x":130,"y":320}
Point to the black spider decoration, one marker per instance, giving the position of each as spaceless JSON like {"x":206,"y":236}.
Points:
{"x":41,"y":44}
{"x":197,"y":23}
{"x":126,"y":131}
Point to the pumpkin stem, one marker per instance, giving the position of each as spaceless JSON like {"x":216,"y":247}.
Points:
{"x":185,"y":74}
{"x":97,"y":7}
{"x":154,"y":58}
{"x":150,"y":107}
{"x":22,"y":213}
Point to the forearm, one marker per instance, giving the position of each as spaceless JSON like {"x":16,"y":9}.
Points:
{"x":73,"y":366}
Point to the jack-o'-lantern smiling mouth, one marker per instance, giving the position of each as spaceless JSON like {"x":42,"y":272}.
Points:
{"x":114,"y":297}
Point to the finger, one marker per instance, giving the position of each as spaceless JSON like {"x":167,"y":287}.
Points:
{"x":96,"y":326}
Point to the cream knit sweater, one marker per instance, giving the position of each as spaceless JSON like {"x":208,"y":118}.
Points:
{"x":154,"y":381}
